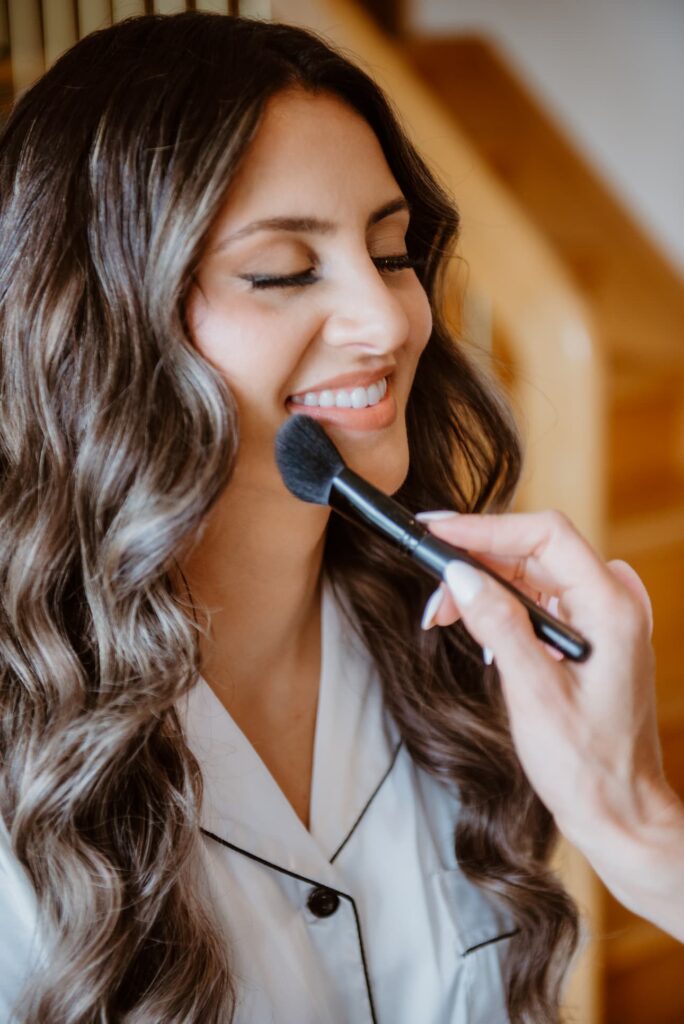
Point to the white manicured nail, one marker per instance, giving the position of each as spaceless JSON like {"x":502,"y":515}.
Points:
{"x":464,"y":582}
{"x":432,"y":517}
{"x":431,"y":609}
{"x":488,"y":656}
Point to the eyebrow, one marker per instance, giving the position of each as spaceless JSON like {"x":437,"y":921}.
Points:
{"x":311,"y":224}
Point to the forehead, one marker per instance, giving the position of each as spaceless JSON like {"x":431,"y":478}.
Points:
{"x":312,"y":154}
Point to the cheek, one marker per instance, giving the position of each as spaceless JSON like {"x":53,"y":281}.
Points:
{"x":243,"y":343}
{"x":222,"y":337}
{"x":256,"y":351}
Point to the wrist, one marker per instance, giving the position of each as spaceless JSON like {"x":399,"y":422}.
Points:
{"x":640,"y":856}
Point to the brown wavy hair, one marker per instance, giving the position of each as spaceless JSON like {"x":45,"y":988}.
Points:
{"x":116,"y":438}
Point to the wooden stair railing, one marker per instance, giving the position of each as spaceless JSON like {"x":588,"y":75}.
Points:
{"x":637,"y":303}
{"x":630,"y":285}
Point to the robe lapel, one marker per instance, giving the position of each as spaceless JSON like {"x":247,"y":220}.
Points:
{"x":355,"y":737}
{"x":353,"y":749}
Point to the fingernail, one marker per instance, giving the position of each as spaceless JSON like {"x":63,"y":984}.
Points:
{"x":464,"y":582}
{"x":431,"y":517}
{"x":488,"y":656}
{"x":431,"y":608}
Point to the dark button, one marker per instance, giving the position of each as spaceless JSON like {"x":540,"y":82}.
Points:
{"x":323,"y":902}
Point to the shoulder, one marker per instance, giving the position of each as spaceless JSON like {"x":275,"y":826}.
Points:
{"x":19,"y":940}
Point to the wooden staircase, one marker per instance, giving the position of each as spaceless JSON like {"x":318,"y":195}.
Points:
{"x":636,"y":300}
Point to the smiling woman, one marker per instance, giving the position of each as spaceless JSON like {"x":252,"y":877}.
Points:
{"x":238,"y":781}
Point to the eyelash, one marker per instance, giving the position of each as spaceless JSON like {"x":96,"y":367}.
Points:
{"x":385,"y":264}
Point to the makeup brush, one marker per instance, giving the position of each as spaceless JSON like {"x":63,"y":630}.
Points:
{"x":313,"y":470}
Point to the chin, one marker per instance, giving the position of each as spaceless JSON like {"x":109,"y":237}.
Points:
{"x":385,"y":465}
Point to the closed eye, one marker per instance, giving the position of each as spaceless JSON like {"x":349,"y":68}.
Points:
{"x":385,"y":264}
{"x":283,"y":281}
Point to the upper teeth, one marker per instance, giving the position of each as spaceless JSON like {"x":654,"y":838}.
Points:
{"x":357,"y":398}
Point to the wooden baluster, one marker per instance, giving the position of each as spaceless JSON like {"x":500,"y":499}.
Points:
{"x":92,"y":15}
{"x":59,"y":28}
{"x":26,"y":41}
{"x":255,"y":8}
{"x":127,"y":9}
{"x":4,"y":30}
{"x":169,"y":6}
{"x":215,"y":6}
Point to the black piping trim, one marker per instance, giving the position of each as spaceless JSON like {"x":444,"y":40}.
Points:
{"x":309,"y":881}
{"x":369,"y":801}
{"x":490,"y":942}
{"x":363,"y":961}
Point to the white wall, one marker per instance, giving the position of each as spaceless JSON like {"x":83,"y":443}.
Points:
{"x":613,"y":72}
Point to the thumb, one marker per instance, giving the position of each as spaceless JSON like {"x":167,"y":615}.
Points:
{"x":495,"y":618}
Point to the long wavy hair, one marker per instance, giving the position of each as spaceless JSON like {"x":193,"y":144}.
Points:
{"x":116,"y":438}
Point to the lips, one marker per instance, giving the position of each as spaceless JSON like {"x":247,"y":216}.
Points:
{"x":349,"y":419}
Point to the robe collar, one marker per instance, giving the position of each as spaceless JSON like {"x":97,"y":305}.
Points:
{"x":354,"y":746}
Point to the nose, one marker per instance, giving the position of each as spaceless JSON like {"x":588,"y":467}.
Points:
{"x":367,"y":314}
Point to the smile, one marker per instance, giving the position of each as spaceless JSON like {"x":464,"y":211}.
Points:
{"x":343,"y":398}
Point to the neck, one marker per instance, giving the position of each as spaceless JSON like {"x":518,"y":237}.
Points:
{"x":257,"y":569}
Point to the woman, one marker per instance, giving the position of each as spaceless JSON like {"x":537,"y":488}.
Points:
{"x":239,"y":782}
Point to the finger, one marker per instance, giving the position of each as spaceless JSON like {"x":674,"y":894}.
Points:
{"x":499,"y":622}
{"x":522,"y":572}
{"x":440,"y":609}
{"x":525,"y":573}
{"x":448,"y":611}
{"x":546,"y":538}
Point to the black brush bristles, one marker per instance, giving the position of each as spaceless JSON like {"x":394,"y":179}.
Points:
{"x":307,"y":459}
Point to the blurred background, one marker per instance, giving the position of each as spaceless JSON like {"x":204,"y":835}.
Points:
{"x":558,"y":128}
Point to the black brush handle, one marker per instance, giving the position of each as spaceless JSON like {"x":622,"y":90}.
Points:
{"x":357,"y":500}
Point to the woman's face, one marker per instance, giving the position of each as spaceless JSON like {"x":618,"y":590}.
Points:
{"x":304,"y":298}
